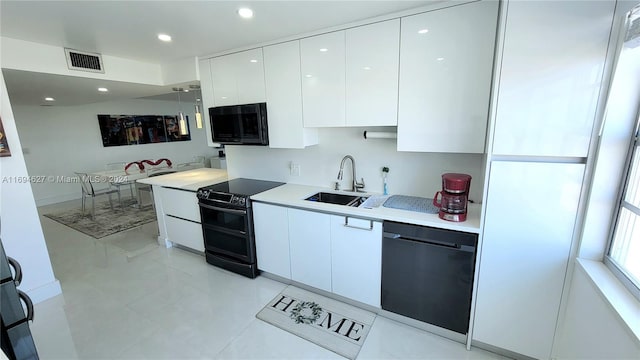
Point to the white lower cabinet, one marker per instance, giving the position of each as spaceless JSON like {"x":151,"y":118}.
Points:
{"x":185,"y":233}
{"x":530,"y":217}
{"x":356,"y":253}
{"x":334,"y":253}
{"x":310,"y":248}
{"x":180,"y":203}
{"x":181,"y":214}
{"x":271,"y":225}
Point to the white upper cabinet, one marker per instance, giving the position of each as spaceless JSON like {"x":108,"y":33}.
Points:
{"x":446,"y":63}
{"x":238,"y":78}
{"x":551,"y":74}
{"x":322,"y":61}
{"x":206,"y":87}
{"x":250,"y":76}
{"x":372,"y":56}
{"x":284,"y":97}
{"x":223,"y":76}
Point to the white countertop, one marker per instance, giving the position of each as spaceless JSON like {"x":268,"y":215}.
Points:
{"x":190,"y":180}
{"x":293,"y":195}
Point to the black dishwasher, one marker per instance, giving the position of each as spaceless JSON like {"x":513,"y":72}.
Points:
{"x":427,"y":274}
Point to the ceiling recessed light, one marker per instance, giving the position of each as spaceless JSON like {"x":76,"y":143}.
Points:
{"x":308,"y":75}
{"x":245,"y":13}
{"x":366,"y":68}
{"x":253,"y":60}
{"x":440,"y":59}
{"x":324,"y":50}
{"x":49,"y":99}
{"x":224,"y":97}
{"x":102,"y":89}
{"x":423,"y":31}
{"x":164,"y":37}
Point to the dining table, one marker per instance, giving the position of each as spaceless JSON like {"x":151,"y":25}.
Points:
{"x":133,"y":174}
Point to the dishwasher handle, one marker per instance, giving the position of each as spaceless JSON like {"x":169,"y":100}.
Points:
{"x":439,"y":243}
{"x":346,"y":224}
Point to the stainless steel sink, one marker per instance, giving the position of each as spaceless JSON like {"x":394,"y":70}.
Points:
{"x":338,"y":199}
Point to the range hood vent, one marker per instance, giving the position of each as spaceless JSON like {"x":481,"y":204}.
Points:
{"x":84,"y":61}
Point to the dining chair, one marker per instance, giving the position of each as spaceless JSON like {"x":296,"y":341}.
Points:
{"x":89,"y":191}
{"x":119,"y":184}
{"x":146,"y":188}
{"x":195,"y":163}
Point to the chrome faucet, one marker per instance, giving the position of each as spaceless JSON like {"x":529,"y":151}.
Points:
{"x":355,"y":185}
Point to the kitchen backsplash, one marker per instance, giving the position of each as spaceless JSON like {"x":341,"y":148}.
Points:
{"x":411,"y":173}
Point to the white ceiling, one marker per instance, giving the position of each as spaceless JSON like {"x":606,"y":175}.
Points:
{"x":129,"y":29}
{"x":30,"y":89}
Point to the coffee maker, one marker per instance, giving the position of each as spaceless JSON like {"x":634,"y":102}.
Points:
{"x":454,"y":197}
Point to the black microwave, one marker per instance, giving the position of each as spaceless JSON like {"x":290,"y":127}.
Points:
{"x":239,"y":124}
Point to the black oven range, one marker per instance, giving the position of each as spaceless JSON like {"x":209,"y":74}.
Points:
{"x":227,"y":223}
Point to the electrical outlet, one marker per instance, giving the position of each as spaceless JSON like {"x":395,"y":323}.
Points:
{"x":295,"y":169}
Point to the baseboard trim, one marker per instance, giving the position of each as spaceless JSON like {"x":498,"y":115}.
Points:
{"x":45,"y":292}
{"x":500,"y":351}
{"x":56,"y":199}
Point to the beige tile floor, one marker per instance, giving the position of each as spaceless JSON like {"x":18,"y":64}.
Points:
{"x":124,"y":297}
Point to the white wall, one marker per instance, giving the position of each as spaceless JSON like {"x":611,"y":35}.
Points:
{"x":21,"y":232}
{"x":180,"y":71}
{"x":591,"y":328}
{"x":60,"y":140}
{"x":411,"y":173}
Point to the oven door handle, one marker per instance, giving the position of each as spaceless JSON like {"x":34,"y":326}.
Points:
{"x":231,"y":211}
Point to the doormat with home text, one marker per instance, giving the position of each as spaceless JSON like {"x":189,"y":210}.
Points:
{"x":329,"y":323}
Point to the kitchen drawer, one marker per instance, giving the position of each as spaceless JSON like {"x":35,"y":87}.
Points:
{"x":180,"y":203}
{"x":185,"y":233}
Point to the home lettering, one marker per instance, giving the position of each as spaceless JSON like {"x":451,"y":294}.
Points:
{"x":352,"y":327}
{"x":283,"y":302}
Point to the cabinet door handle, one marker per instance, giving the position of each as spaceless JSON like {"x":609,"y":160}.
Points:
{"x":17,"y":279}
{"x":346,"y":224}
{"x":227,"y":210}
{"x":28,"y":302}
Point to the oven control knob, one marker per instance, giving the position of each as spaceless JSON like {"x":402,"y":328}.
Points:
{"x":243,"y":201}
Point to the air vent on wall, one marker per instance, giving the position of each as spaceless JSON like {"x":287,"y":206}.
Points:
{"x":84,"y":61}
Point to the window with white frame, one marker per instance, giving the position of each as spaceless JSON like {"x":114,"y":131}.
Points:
{"x":623,"y":256}
{"x":624,"y":251}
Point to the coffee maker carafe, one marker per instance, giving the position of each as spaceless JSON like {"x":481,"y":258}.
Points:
{"x":454,"y":197}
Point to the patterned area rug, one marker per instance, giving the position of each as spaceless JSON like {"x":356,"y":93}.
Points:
{"x":107,"y":221}
{"x":335,"y":326}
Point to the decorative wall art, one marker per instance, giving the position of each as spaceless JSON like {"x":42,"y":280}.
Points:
{"x":120,"y":130}
{"x":4,"y":144}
